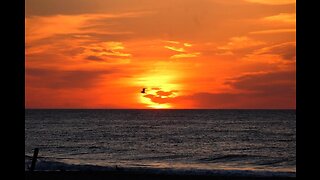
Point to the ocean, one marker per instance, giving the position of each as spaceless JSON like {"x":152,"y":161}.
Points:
{"x":220,"y":141}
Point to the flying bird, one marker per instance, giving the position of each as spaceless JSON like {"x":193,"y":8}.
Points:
{"x":143,"y":90}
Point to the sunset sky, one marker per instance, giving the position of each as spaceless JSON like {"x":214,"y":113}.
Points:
{"x":186,"y":53}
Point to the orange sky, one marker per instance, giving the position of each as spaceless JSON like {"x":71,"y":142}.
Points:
{"x":187,"y":53}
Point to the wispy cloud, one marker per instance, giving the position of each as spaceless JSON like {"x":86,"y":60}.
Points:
{"x":39,"y":27}
{"x":282,"y":17}
{"x":172,"y":42}
{"x":287,"y":51}
{"x":240,"y":42}
{"x":185,"y":55}
{"x":106,"y":50}
{"x":274,"y":31}
{"x":183,"y":50}
{"x":237,"y":44}
{"x":175,"y":48}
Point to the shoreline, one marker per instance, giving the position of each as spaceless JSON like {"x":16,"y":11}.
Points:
{"x":59,"y":170}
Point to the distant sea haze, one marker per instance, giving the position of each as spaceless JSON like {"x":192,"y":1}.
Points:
{"x":255,"y":140}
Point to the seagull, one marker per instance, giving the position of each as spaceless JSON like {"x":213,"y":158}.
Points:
{"x":143,"y":90}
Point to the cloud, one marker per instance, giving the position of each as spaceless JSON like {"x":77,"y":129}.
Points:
{"x":110,"y":50}
{"x":78,"y":40}
{"x":185,"y":55}
{"x":72,"y":7}
{"x":282,"y":17}
{"x":115,"y":54}
{"x":240,"y":42}
{"x":157,"y":99}
{"x":273,"y":31}
{"x":175,"y":48}
{"x":254,"y":91}
{"x":94,"y":58}
{"x":266,"y":83}
{"x":69,"y":47}
{"x":164,"y":93}
{"x":64,"y":79}
{"x":172,"y":42}
{"x":81,"y":25}
{"x":287,"y":51}
{"x":238,"y":45}
{"x":160,"y":96}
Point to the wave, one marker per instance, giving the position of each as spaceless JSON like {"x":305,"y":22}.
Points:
{"x":261,"y":161}
{"x":229,"y":157}
{"x":160,"y":157}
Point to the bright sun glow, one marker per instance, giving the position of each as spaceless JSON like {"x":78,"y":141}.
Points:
{"x":159,"y":89}
{"x":151,"y":104}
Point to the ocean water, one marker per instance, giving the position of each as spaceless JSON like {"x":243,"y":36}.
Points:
{"x":203,"y":140}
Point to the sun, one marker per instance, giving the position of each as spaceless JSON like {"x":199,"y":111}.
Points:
{"x":162,"y":86}
{"x":153,"y":105}
{"x":160,"y":106}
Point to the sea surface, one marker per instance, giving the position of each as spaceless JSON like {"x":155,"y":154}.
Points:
{"x":251,"y":141}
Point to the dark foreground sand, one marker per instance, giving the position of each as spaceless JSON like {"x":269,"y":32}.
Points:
{"x":49,"y":170}
{"x":50,"y":175}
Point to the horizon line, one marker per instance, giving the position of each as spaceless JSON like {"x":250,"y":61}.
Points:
{"x":160,"y":109}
